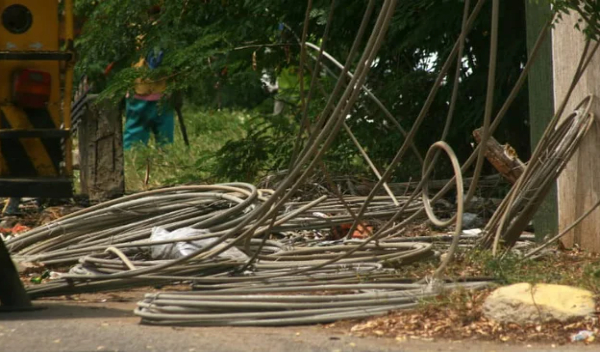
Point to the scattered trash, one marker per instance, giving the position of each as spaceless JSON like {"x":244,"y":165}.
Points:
{"x":8,"y":233}
{"x":583,"y":335}
{"x":7,"y":228}
{"x":55,"y":275}
{"x":472,"y":232}
{"x":181,"y":249}
{"x":471,"y":220}
{"x":362,"y":231}
{"x":38,"y":279}
{"x":19,"y":228}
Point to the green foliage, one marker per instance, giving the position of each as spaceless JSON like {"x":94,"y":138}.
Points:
{"x":177,"y":164}
{"x":216,"y":52}
{"x":266,"y":147}
{"x":567,"y":269}
{"x":589,"y":11}
{"x":199,"y":38}
{"x":571,"y":268}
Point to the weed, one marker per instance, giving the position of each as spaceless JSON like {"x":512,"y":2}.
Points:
{"x":563,"y":268}
{"x":174,"y":164}
{"x":572,"y":268}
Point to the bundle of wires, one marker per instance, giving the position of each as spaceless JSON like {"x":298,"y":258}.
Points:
{"x":282,"y":277}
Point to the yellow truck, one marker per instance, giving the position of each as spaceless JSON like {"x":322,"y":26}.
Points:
{"x":36,"y":82}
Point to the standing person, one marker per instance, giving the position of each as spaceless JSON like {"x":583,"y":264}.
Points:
{"x":146,"y":110}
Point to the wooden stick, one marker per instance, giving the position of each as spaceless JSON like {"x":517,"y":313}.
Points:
{"x":502,"y":157}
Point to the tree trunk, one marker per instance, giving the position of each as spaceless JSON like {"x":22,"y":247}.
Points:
{"x":101,"y":151}
{"x":579,"y":184}
{"x":541,"y":107}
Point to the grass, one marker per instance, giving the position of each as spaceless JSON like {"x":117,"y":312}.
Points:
{"x":459,"y":314}
{"x":174,"y":164}
{"x":573,"y":268}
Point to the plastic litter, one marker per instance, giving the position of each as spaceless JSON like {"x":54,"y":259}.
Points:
{"x":583,"y":335}
{"x":471,"y":221}
{"x":55,"y":275}
{"x":181,"y":249}
{"x":39,"y":279}
{"x":472,"y":232}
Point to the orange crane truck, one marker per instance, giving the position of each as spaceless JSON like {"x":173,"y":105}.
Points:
{"x":36,"y":83}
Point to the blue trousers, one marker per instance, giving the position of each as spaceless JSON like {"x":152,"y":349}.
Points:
{"x":145,"y":117}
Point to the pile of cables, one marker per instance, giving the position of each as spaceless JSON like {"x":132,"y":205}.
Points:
{"x":257,"y":257}
{"x":279,"y":276}
{"x":242,"y":270}
{"x":559,"y":142}
{"x":281,"y":305}
{"x":293,"y":279}
{"x":108,"y":246}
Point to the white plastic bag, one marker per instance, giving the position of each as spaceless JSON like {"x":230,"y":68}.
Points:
{"x":180,"y":249}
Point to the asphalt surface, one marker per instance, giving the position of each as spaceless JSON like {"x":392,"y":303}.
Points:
{"x":111,"y":326}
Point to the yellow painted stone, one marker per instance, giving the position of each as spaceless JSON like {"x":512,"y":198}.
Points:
{"x":524,"y":303}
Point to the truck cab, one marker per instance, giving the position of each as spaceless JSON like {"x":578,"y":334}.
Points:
{"x":36,"y":75}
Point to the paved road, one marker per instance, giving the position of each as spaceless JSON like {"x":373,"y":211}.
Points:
{"x":65,"y":326}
